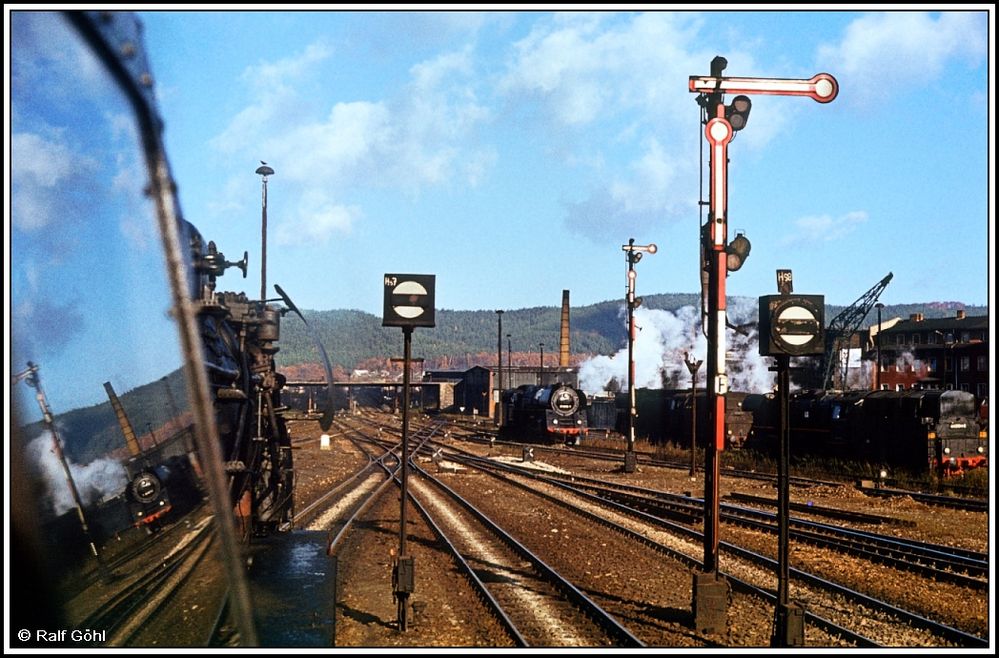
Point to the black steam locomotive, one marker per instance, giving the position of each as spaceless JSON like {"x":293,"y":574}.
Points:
{"x":240,"y":338}
{"x":933,"y":431}
{"x":555,"y":413}
{"x":156,"y":490}
{"x":666,"y":416}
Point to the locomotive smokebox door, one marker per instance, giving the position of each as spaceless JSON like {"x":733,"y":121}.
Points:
{"x":409,"y":300}
{"x":792,"y":325}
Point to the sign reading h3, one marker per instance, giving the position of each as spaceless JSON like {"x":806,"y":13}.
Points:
{"x":409,"y":300}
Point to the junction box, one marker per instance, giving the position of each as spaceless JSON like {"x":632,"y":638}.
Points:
{"x":711,"y":594}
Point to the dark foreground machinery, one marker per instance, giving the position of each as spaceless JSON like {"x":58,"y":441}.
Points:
{"x":109,"y":281}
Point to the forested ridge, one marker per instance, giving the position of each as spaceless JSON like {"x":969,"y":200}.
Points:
{"x":461,"y":339}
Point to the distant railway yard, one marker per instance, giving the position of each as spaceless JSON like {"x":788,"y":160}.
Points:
{"x":525,"y":544}
{"x":564,"y":549}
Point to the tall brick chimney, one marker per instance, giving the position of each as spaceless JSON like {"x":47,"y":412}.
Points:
{"x":563,"y":339}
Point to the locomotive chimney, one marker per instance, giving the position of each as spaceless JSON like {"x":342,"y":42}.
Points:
{"x":563,"y":341}
{"x":960,"y":314}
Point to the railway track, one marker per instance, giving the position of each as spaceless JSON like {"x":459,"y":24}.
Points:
{"x":136,"y":602}
{"x":538,"y":605}
{"x":942,"y":631}
{"x":962,"y":502}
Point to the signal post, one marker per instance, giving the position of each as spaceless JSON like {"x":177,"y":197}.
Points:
{"x":790,"y":325}
{"x":408,"y":303}
{"x":710,"y":589}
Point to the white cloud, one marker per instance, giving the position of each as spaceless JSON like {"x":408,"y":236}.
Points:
{"x":41,"y":171}
{"x":339,"y":150}
{"x":885,"y":54}
{"x":275,"y":103}
{"x":268,"y":75}
{"x":825,"y":228}
{"x":588,"y":67}
{"x":317,"y":219}
{"x":423,"y":136}
{"x":659,"y":185}
{"x":653,"y":174}
{"x":43,"y":162}
{"x":614,"y":88}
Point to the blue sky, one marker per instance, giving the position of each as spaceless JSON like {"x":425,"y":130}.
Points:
{"x":512,"y":154}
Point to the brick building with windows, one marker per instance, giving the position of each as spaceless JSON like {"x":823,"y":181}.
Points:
{"x":948,"y":353}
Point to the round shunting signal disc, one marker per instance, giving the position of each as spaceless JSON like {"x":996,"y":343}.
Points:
{"x":414,"y":290}
{"x":792,"y":313}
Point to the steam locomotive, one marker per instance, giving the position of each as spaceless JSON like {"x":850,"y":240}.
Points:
{"x":920,"y":431}
{"x":555,"y":413}
{"x":666,"y":416}
{"x":155,"y":490}
{"x":240,"y":338}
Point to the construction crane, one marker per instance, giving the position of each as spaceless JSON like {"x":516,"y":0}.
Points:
{"x":843,"y":326}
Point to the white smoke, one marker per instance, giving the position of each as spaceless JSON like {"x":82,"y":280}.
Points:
{"x":95,"y":481}
{"x":860,"y":373}
{"x":663,"y":338}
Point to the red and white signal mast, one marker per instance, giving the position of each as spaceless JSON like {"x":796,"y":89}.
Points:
{"x":710,"y":598}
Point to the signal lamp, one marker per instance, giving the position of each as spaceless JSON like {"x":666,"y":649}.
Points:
{"x":737,"y":252}
{"x":737,"y":113}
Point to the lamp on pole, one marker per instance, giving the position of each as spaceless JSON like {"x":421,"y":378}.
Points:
{"x":149,"y":428}
{"x":541,"y":363}
{"x":509,"y":360}
{"x":693,"y":366}
{"x":264,"y":172}
{"x":499,"y":368}
{"x":877,"y":370}
{"x":632,"y":254}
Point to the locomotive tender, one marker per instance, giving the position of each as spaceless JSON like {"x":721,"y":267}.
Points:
{"x":550,"y":414}
{"x":665,"y":416}
{"x":935,"y":431}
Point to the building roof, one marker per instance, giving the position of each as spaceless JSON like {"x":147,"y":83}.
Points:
{"x":939,"y":324}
